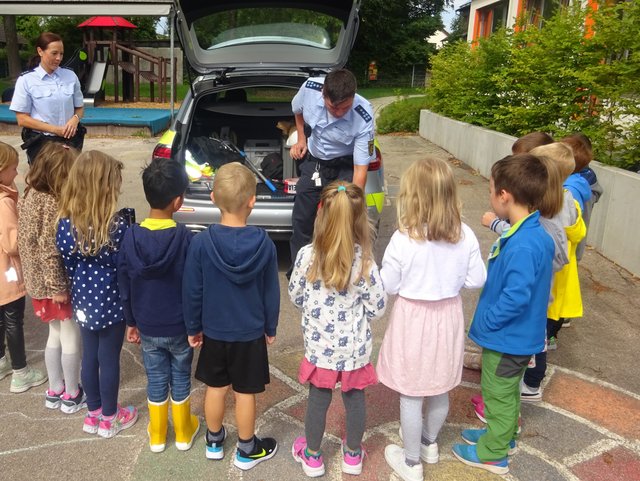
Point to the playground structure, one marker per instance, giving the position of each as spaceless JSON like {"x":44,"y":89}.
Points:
{"x":132,"y":63}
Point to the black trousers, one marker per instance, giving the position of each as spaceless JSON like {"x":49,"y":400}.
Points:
{"x":12,"y":328}
{"x":34,"y":141}
{"x":308,"y":196}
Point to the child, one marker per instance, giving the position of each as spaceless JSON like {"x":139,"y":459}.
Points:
{"x":576,"y":183}
{"x":583,"y":155}
{"x":530,"y":141}
{"x":567,"y":299}
{"x":89,"y":234}
{"x":336,"y":283}
{"x":431,"y":256}
{"x":150,"y":268}
{"x":12,"y":290}
{"x":231,"y":299}
{"x":509,"y":319}
{"x":45,"y":278}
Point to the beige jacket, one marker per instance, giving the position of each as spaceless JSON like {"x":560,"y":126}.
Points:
{"x":11,"y":279}
{"x":42,"y":263}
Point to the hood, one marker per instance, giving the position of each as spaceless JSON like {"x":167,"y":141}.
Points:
{"x":579,"y":187}
{"x":238,"y":252}
{"x":9,"y":191}
{"x":223,"y":35}
{"x":152,"y":253}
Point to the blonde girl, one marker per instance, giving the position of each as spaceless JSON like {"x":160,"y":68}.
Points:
{"x":430,"y":258}
{"x":336,"y":284}
{"x":12,"y":290}
{"x":89,"y":234}
{"x":46,"y":281}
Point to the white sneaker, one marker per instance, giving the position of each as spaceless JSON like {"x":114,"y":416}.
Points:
{"x":5,"y":367}
{"x":530,"y":394}
{"x":394,"y":455}
{"x":428,"y":452}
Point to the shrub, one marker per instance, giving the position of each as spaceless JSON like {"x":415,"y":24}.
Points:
{"x":401,"y":116}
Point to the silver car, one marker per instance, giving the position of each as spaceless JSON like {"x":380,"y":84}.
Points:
{"x":252,"y":60}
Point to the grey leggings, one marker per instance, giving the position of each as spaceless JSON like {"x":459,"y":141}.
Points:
{"x":316,"y":417}
{"x":413,"y":426}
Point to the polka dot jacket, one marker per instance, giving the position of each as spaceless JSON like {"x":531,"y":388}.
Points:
{"x":94,"y":284}
{"x":335,"y":324}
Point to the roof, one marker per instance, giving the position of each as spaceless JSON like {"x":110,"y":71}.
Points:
{"x":86,"y":7}
{"x":107,"y":22}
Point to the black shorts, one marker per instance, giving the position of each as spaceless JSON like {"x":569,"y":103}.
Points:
{"x":243,"y":365}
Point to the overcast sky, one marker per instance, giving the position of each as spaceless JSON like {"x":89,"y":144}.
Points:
{"x":450,"y":14}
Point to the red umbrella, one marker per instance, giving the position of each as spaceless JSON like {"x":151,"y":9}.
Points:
{"x":107,"y":22}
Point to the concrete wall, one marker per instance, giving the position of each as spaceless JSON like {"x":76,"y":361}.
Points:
{"x":615,"y":223}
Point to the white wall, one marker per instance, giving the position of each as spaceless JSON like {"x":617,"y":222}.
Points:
{"x":478,"y":4}
{"x":615,"y":222}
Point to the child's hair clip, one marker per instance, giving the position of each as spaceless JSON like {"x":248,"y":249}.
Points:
{"x":65,"y":146}
{"x":342,"y":188}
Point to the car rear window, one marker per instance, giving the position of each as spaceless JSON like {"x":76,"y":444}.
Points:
{"x":268,"y":25}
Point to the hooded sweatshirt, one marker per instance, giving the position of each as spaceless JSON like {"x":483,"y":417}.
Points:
{"x":231,"y":290}
{"x":579,"y":188}
{"x":150,"y":268}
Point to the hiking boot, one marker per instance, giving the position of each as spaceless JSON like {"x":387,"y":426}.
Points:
{"x":24,"y":379}
{"x":312,"y":464}
{"x":73,"y":404}
{"x":469,"y":456}
{"x":394,"y":455}
{"x":124,"y":418}
{"x":263,"y":449}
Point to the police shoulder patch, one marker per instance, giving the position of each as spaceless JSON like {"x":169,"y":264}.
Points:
{"x":27,"y":71}
{"x":360,"y":110}
{"x":312,"y":84}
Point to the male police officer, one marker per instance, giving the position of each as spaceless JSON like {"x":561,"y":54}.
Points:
{"x":339,"y":146}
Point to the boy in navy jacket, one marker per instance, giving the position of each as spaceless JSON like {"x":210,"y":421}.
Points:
{"x":511,"y":316}
{"x":150,"y":266}
{"x":231,"y":297}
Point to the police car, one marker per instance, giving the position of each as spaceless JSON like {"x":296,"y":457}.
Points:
{"x":252,"y":57}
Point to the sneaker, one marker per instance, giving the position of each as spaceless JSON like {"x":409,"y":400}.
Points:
{"x":52,"y":400}
{"x":471,"y":436}
{"x":476,"y":399}
{"x":352,"y":461}
{"x":552,"y":343}
{"x":264,"y":449}
{"x":566,"y":323}
{"x":92,"y":421}
{"x":5,"y":367}
{"x":394,"y":455}
{"x":468,"y":455}
{"x":26,"y":379}
{"x":428,"y":452}
{"x":312,"y":466}
{"x":478,"y":408}
{"x":214,"y":450}
{"x":123,"y":419}
{"x":530,"y":394}
{"x":74,"y":404}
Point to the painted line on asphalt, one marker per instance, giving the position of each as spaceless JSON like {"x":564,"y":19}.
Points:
{"x":561,"y":468}
{"x":590,"y":452}
{"x":58,"y":443}
{"x":599,"y":382}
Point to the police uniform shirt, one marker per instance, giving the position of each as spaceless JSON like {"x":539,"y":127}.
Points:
{"x":48,"y":98}
{"x":335,"y":137}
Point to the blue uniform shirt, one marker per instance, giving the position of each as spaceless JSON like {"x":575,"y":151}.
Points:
{"x":48,"y":98}
{"x":335,"y":137}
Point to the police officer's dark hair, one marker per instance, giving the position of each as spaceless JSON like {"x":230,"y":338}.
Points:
{"x":43,"y":41}
{"x":339,"y":85}
{"x":163,"y":180}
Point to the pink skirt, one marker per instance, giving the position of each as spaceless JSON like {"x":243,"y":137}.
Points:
{"x":48,"y":311}
{"x":423,"y":347}
{"x":328,"y":378}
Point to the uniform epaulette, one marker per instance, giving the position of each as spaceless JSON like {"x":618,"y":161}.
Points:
{"x":27,"y":71}
{"x":312,"y":84}
{"x":360,"y":110}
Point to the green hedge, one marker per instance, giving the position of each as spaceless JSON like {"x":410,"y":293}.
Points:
{"x":553,"y":79}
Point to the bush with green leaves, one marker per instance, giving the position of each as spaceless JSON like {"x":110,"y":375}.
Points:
{"x":401,"y":116}
{"x":558,"y":79}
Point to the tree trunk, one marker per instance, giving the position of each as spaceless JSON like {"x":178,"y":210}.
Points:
{"x":13,"y":55}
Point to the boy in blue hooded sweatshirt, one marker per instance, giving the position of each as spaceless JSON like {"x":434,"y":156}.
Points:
{"x":150,"y":267}
{"x":231,"y":297}
{"x":510,"y":319}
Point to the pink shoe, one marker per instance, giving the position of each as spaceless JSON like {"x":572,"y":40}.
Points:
{"x":92,"y":421}
{"x":352,"y":462}
{"x":477,"y":399}
{"x":479,"y":410}
{"x":313,"y":466}
{"x":124,"y":418}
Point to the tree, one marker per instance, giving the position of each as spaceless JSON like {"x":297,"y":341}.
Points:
{"x":13,"y":54}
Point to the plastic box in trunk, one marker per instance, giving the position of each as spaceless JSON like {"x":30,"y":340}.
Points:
{"x":256,"y":150}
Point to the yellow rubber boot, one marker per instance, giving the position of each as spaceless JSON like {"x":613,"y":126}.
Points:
{"x":185,"y":424}
{"x":157,"y":428}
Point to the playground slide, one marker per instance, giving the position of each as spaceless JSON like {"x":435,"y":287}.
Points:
{"x":96,"y":79}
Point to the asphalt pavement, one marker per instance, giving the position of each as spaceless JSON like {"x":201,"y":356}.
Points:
{"x":586,"y":428}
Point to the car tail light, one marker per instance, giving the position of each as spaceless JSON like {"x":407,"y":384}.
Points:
{"x":376,"y":163}
{"x":162,"y":152}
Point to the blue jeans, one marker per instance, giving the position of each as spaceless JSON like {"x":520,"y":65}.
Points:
{"x":167,"y":361}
